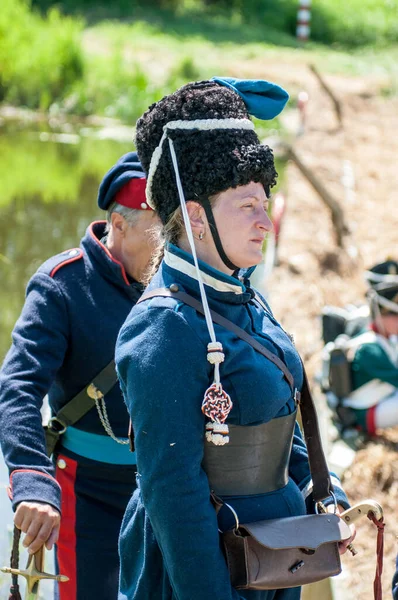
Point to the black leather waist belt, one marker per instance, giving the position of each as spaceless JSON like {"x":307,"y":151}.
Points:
{"x":255,"y":461}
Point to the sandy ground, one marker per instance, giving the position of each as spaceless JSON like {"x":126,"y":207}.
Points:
{"x":313,"y":272}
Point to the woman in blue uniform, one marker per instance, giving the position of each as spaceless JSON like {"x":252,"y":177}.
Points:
{"x":209,"y":179}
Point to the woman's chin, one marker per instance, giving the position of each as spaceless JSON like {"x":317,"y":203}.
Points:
{"x":252,"y":261}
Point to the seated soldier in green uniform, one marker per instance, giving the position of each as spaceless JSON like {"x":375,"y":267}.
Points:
{"x":374,"y":354}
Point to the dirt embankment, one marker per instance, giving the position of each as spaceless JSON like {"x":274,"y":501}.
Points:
{"x":313,"y":272}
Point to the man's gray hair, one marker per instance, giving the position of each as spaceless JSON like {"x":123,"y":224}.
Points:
{"x":130,"y":214}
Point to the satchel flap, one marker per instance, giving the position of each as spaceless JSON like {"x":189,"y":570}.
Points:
{"x":307,"y":531}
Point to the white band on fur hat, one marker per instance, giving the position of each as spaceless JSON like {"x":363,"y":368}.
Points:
{"x":200,"y":125}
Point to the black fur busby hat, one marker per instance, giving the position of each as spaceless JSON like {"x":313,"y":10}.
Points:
{"x":210,"y":160}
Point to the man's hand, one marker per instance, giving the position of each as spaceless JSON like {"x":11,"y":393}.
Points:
{"x":40,"y":522}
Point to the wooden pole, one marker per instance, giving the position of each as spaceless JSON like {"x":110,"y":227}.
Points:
{"x":303,"y":28}
{"x":337,"y":213}
{"x":327,"y":89}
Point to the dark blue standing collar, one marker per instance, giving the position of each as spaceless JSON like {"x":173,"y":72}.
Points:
{"x":107,"y":265}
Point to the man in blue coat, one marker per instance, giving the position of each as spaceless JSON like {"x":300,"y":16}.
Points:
{"x":75,"y":304}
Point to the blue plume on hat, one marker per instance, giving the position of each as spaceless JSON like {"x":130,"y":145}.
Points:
{"x":263,"y":99}
{"x":127,"y":167}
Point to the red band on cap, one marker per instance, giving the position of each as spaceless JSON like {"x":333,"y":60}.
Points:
{"x":132,"y":195}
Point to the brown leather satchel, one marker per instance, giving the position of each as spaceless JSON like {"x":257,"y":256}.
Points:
{"x":283,"y":553}
{"x":292,"y":551}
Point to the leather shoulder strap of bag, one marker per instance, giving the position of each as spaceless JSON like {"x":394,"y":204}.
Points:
{"x":76,"y":408}
{"x":322,"y":485}
{"x":321,"y":482}
{"x":220,"y":320}
{"x":311,"y":431}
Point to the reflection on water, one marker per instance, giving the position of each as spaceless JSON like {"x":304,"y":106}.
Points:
{"x":48,"y":191}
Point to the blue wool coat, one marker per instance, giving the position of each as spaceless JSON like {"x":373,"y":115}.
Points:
{"x":66,"y":334}
{"x":169,"y":542}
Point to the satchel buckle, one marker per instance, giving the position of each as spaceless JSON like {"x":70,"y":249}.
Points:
{"x":297,"y":566}
{"x":320,"y":507}
{"x":235,"y":515}
{"x":297,"y":397}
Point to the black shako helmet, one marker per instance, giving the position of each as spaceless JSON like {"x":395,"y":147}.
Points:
{"x":382,"y":279}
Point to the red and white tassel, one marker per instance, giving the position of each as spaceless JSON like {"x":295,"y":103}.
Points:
{"x":216,"y":403}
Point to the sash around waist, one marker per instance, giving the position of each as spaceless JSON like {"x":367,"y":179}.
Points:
{"x":101,"y":448}
{"x":255,"y":461}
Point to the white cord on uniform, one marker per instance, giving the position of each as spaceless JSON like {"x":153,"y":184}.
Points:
{"x":209,"y":321}
{"x":215,"y":354}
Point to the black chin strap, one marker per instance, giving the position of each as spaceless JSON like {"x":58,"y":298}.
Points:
{"x":214,"y":232}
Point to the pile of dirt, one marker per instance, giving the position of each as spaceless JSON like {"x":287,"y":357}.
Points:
{"x":374,"y":474}
{"x":313,"y":271}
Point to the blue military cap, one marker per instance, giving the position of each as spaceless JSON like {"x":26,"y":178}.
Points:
{"x":124,"y":183}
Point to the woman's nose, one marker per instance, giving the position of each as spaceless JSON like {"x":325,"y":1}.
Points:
{"x":265,"y":222}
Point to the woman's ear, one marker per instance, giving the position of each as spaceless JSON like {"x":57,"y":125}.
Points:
{"x":197,"y":216}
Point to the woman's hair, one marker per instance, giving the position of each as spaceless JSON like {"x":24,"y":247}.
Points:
{"x":169,"y":233}
{"x":210,"y":161}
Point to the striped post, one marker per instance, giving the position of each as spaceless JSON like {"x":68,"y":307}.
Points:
{"x":303,"y":20}
{"x":302,"y":101}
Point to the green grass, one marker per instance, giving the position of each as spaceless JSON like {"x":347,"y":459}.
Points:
{"x":354,"y":23}
{"x":128,"y":56}
{"x":146,"y":60}
{"x":349,"y":23}
{"x":40,"y":58}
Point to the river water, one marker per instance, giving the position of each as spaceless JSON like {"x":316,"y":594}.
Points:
{"x":49,"y":179}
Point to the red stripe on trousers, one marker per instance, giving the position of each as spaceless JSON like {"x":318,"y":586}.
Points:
{"x":66,"y":545}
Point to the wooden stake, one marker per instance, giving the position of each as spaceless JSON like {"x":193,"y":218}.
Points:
{"x":338,"y":218}
{"x":336,"y":102}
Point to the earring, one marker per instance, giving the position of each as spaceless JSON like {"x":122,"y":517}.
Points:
{"x":201,"y":235}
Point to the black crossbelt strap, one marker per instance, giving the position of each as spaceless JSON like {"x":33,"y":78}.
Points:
{"x":79,"y":406}
{"x":322,"y":485}
{"x":76,"y":408}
